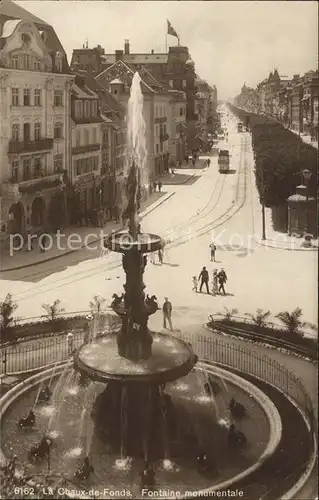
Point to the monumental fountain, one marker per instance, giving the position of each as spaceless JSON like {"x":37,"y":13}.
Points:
{"x":132,"y":403}
{"x":135,"y":363}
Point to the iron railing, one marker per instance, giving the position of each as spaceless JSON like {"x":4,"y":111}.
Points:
{"x":44,"y":352}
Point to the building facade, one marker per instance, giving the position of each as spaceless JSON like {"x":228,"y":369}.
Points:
{"x":86,"y":162}
{"x":35,"y":86}
{"x":174,"y":70}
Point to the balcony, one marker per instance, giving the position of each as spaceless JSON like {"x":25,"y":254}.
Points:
{"x":89,"y":148}
{"x":41,"y":183}
{"x":20,"y":147}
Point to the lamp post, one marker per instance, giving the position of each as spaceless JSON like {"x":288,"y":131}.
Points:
{"x":306,"y":175}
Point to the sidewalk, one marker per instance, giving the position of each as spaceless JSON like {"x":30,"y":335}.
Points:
{"x":88,"y":235}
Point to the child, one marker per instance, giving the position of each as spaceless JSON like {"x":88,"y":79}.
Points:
{"x":195,"y":284}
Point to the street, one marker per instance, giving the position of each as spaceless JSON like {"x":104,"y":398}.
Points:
{"x":213,"y":207}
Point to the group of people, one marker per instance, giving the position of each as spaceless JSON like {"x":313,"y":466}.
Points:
{"x":218,"y":281}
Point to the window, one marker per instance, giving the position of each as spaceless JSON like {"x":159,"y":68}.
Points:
{"x":37,"y":66}
{"x":95,"y":163}
{"x":171,"y":83}
{"x":26,"y":61}
{"x":157,"y":148}
{"x":15,"y":171}
{"x":184,"y":84}
{"x":37,"y":131}
{"x":15,"y":97}
{"x":58,"y":98}
{"x":78,"y":109}
{"x":86,"y":109}
{"x":94,"y":136}
{"x":26,"y":169}
{"x":37,"y":97}
{"x":15,"y":62}
{"x":58,"y":131}
{"x":78,"y":138}
{"x":78,"y":167}
{"x":94,"y":108}
{"x":181,"y":111}
{"x":37,"y":167}
{"x":26,"y":97}
{"x":58,"y":162}
{"x":86,"y":137}
{"x":15,"y":132}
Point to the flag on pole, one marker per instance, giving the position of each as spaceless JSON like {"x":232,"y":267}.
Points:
{"x":170,"y":30}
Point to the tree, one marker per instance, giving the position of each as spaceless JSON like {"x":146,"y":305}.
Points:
{"x":7,"y":308}
{"x":259,"y":319}
{"x":96,"y":304}
{"x":292,"y":321}
{"x":53,"y":311}
{"x":229,"y":313}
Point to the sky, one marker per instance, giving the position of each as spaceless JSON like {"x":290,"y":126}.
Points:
{"x":231,"y":43}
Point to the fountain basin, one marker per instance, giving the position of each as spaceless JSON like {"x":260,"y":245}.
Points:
{"x":123,"y":242}
{"x":171,"y":358}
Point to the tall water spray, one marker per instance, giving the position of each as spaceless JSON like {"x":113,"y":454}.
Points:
{"x":135,"y":168}
{"x":136,"y":130}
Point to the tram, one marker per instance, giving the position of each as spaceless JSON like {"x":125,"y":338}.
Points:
{"x":223,"y":161}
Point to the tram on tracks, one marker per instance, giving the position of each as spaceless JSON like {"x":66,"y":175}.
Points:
{"x":223,"y":161}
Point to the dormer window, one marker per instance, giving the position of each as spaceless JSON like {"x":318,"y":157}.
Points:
{"x":26,"y":38}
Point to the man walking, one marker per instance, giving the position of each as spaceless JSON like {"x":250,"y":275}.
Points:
{"x":167,"y":313}
{"x":204,"y":277}
{"x":222,"y":278}
{"x":212,"y":251}
{"x":159,"y":186}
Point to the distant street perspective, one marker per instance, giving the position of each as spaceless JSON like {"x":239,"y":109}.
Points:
{"x":159,"y":255}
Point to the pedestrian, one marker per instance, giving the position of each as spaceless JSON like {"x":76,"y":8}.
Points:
{"x":195,"y":284}
{"x":180,"y":164}
{"x":167,"y":313}
{"x":208,"y":162}
{"x":159,"y":186}
{"x":42,"y":242}
{"x":215,"y":282}
{"x":160,"y":256}
{"x":154,"y":185}
{"x":193,"y":162}
{"x":212,"y":252}
{"x":69,"y":340}
{"x":204,"y":277}
{"x":222,"y":278}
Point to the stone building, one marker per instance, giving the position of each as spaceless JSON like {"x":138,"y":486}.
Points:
{"x":35,"y":85}
{"x":85,"y":172}
{"x":117,"y":80}
{"x":174,"y":70}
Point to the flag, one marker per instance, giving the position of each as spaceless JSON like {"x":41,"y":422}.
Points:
{"x":170,"y":30}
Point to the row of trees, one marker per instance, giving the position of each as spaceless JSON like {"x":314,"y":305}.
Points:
{"x":291,"y":321}
{"x":53,"y":313}
{"x":280,"y":157}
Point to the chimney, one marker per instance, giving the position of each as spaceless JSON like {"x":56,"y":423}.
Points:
{"x":118,"y":55}
{"x":126,"y":47}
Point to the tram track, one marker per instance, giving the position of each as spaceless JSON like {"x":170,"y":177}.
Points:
{"x":240,"y":198}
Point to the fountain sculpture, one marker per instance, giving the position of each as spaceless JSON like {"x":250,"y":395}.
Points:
{"x":134,"y":363}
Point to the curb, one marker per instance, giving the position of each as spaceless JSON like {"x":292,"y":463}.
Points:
{"x":68,"y":252}
{"x":276,"y":247}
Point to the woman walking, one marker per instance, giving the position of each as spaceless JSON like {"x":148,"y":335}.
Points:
{"x":215,"y":282}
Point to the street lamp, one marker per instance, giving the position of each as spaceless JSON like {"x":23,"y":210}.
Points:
{"x":306,"y":175}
